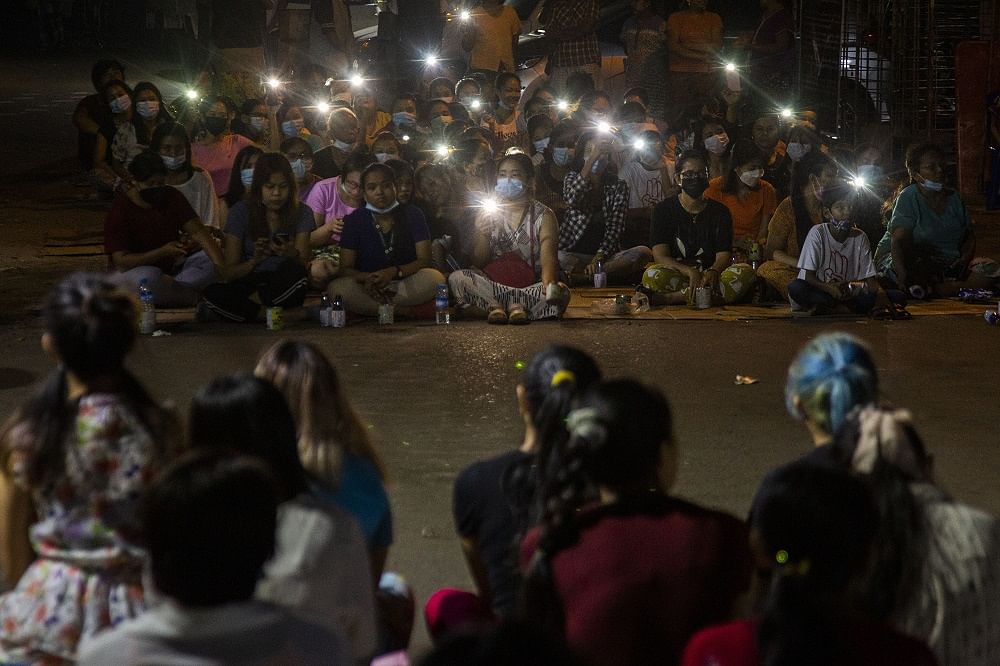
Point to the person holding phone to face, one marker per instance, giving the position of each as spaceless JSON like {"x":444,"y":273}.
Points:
{"x":266,"y":247}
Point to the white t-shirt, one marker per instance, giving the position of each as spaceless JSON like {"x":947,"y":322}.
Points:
{"x":200,"y":193}
{"x":645,"y":187}
{"x":834,"y":261}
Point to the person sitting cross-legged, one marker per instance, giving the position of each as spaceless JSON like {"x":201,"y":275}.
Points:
{"x":836,"y":266}
{"x":210,"y":526}
{"x":692,"y":239}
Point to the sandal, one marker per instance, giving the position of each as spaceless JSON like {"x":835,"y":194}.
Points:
{"x":517,"y":316}
{"x":900,"y":313}
{"x":497,"y":316}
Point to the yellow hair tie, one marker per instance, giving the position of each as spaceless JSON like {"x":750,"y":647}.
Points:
{"x":561,"y":377}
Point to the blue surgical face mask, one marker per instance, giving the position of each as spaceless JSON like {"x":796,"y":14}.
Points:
{"x":299,"y":169}
{"x":148,"y":109}
{"x":173,"y":163}
{"x":509,"y":188}
{"x":382,"y":157}
{"x":404,"y":118}
{"x":121,"y":104}
{"x":870,"y":173}
{"x":291,"y":127}
{"x":246,"y":176}
{"x":541,"y":144}
{"x":562,"y":156}
{"x":599,"y":165}
{"x":382,"y":211}
{"x":342,"y":145}
{"x":796,"y":151}
{"x":931,"y":185}
{"x":258,"y":123}
{"x":842,"y":226}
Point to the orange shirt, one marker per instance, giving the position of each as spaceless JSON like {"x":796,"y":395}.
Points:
{"x":693,"y":30}
{"x":746,"y":213}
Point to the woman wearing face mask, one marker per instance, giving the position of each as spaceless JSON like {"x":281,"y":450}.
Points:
{"x":253,"y":122}
{"x":715,"y":140}
{"x":930,"y":242}
{"x":298,"y":153}
{"x":502,"y":122}
{"x":521,"y":231}
{"x":434,"y":118}
{"x":331,"y":201}
{"x":118,"y":97}
{"x":404,"y":117}
{"x":385,"y":252}
{"x":802,"y":141}
{"x":540,"y":131}
{"x":749,"y":198}
{"x":550,"y":174}
{"x":836,"y":267}
{"x":387,"y":147}
{"x":343,"y":132}
{"x":215,"y":150}
{"x":777,"y":165}
{"x":148,"y":112}
{"x":152,"y":234}
{"x":292,"y":123}
{"x":171,"y":143}
{"x":240,"y":178}
{"x":692,"y":239}
{"x":792,"y":220}
{"x":596,"y":205}
{"x":266,"y":248}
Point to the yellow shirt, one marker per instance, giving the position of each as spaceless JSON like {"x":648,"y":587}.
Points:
{"x":493,"y":48}
{"x":379,"y":123}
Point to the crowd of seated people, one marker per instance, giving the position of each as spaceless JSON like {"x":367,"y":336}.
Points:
{"x":718,"y":200}
{"x":258,"y":533}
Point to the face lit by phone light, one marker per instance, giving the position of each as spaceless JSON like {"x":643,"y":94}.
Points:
{"x":274,"y":192}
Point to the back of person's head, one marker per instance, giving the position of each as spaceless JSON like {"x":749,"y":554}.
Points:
{"x":816,"y":525}
{"x":145,"y":165}
{"x":400,"y":169}
{"x":833,"y":374}
{"x":631,"y":112}
{"x":882,"y":446}
{"x":209,"y":524}
{"x":509,"y":644}
{"x":243,"y":413}
{"x":90,"y":325}
{"x":327,"y":424}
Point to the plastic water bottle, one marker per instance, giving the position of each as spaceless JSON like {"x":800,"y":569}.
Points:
{"x":600,"y":277}
{"x":441,"y":304}
{"x":147,"y":309}
{"x":754,"y":255}
{"x":325,"y":309}
{"x":338,"y":316}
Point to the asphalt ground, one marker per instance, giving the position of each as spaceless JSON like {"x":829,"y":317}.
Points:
{"x":440,"y":397}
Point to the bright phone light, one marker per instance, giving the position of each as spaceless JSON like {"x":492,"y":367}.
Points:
{"x":476,"y":105}
{"x":273,"y":82}
{"x":603,"y":126}
{"x":639,"y":144}
{"x":406,"y":137}
{"x":786,"y":113}
{"x":490,"y":205}
{"x":192,"y":94}
{"x":323,"y":107}
{"x":562,"y":105}
{"x":730,"y":67}
{"x":464,"y":15}
{"x":431,"y":60}
{"x":860,"y":182}
{"x":357,"y":80}
{"x":443,"y":151}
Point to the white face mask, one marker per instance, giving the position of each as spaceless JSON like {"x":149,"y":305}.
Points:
{"x":342,"y":145}
{"x":541,"y":144}
{"x":931,"y":185}
{"x":797,"y":151}
{"x":751,"y":178}
{"x":382,"y":157}
{"x":172,"y":163}
{"x":299,"y":169}
{"x":562,"y":156}
{"x":382,"y":211}
{"x":716,"y":144}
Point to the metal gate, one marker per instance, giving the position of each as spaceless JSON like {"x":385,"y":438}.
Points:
{"x":879,"y":68}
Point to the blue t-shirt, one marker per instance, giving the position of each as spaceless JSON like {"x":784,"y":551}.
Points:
{"x":362,"y":494}
{"x":940,"y":236}
{"x":374,"y":251}
{"x":238,"y":224}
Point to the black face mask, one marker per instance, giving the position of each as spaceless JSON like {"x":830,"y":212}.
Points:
{"x":694,"y":187}
{"x":154,"y":196}
{"x":215,"y":125}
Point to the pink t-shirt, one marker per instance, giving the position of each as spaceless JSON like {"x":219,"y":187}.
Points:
{"x":217,"y":159}
{"x":325,"y":198}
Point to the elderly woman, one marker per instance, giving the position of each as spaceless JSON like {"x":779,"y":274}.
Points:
{"x":516,"y":245}
{"x":930,"y":241}
{"x":793,"y":219}
{"x":597,"y":203}
{"x":385,"y":251}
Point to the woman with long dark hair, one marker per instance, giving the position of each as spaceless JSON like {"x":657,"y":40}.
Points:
{"x":814,"y":526}
{"x":793,"y":218}
{"x":170,"y":141}
{"x":149,"y":112}
{"x":621,"y":569}
{"x":217,"y":146}
{"x":749,"y":198}
{"x":266,"y":247}
{"x":320,"y":567}
{"x":86,"y":446}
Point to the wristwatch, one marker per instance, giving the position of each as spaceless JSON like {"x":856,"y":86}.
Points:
{"x":399,"y":273}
